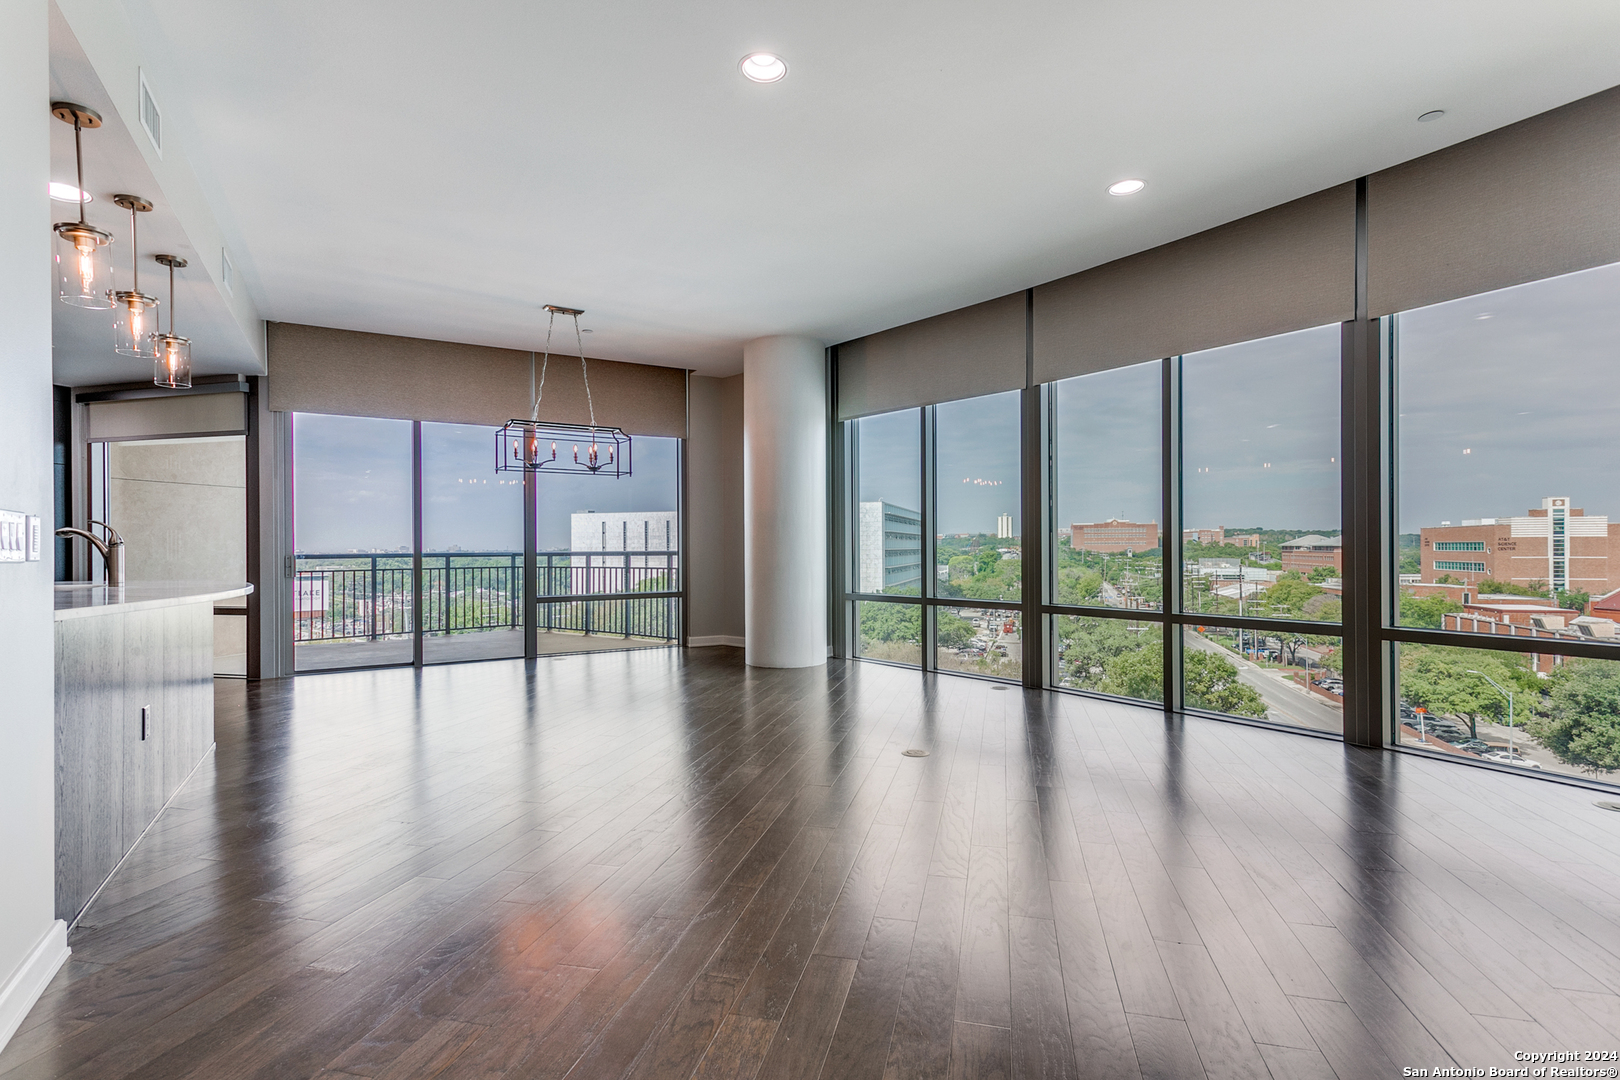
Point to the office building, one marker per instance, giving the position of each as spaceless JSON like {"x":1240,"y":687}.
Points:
{"x":1554,"y":545}
{"x":1311,"y":552}
{"x":1114,"y":535}
{"x":890,"y":548}
{"x":468,"y":474}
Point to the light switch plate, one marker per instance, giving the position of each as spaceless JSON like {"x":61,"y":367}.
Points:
{"x":13,"y":536}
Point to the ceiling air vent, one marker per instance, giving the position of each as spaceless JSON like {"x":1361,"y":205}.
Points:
{"x":151,"y":117}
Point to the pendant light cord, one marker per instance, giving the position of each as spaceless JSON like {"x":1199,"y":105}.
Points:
{"x":171,"y":299}
{"x":135,"y":257}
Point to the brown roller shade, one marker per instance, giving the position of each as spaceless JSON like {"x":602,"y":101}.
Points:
{"x":1283,"y":269}
{"x":1531,"y":200}
{"x":350,"y":373}
{"x":960,"y":354}
{"x":156,"y":418}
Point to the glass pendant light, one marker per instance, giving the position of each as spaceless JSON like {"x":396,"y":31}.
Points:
{"x":134,"y":313}
{"x":172,"y":368}
{"x":83,"y":275}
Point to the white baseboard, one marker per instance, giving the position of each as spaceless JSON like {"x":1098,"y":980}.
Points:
{"x":28,"y":982}
{"x":715,"y":639}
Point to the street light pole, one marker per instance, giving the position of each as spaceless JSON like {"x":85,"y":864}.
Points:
{"x":1507,"y":694}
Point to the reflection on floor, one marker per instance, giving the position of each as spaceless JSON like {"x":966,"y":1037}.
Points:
{"x":665,"y":864}
{"x":454,"y":648}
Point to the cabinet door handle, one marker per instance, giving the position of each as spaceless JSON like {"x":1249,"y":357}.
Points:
{"x":144,"y":710}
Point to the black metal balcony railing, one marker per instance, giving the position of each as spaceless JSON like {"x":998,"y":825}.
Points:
{"x":355,"y":597}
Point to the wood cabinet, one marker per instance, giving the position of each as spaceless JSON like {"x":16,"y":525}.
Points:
{"x":111,"y":782}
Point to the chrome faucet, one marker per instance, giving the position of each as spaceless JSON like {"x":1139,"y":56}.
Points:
{"x":112,"y":549}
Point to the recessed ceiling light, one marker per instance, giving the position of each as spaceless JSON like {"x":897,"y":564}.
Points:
{"x":1126,"y":187}
{"x":1432,"y":114}
{"x":68,"y":193}
{"x":764,"y":67}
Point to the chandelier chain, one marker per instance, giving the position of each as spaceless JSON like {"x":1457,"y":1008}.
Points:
{"x":540,"y":392}
{"x":580,"y":341}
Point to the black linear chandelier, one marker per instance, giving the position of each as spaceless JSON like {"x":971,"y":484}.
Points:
{"x":534,"y":445}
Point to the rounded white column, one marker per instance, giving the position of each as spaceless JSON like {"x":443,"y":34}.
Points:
{"x":785,"y":501}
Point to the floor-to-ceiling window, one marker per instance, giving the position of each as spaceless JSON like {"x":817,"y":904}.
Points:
{"x":1261,"y":547}
{"x":353,"y":542}
{"x":609,"y":554}
{"x":472,"y":548}
{"x":934,"y":546}
{"x":374,"y":548}
{"x":1508,"y":543}
{"x":978,"y":521}
{"x":887,"y":535}
{"x":1106,"y":554}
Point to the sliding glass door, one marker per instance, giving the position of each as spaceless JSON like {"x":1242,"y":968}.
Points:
{"x":353,"y":542}
{"x":608,"y":566}
{"x":472,"y":548}
{"x":410,"y":548}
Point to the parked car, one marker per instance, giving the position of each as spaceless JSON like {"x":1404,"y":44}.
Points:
{"x":1505,"y":758}
{"x":1477,"y":746}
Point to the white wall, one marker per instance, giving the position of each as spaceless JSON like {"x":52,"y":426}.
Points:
{"x":32,"y":943}
{"x":714,"y":521}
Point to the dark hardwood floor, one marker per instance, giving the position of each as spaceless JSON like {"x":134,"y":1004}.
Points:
{"x":664,"y":865}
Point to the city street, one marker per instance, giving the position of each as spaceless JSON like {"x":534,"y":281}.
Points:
{"x":1286,"y":701}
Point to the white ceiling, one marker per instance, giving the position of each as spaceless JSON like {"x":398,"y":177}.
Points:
{"x":442,"y":170}
{"x":81,"y":339}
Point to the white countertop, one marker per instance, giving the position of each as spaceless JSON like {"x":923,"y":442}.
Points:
{"x":78,"y":599}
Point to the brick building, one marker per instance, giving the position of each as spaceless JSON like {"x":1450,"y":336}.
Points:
{"x":1114,"y":535}
{"x":1556,"y":545}
{"x":1307,"y":553}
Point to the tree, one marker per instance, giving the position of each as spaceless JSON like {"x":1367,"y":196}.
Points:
{"x":1429,"y":611}
{"x":891,"y":622}
{"x":1290,"y":594}
{"x":1580,"y":721}
{"x":1321,"y":574}
{"x":1438,"y":679}
{"x":1212,"y":683}
{"x":1136,"y":674}
{"x":1324,"y":608}
{"x":1574,"y":599}
{"x":952,"y":631}
{"x":1078,"y":586}
{"x":1537,"y":589}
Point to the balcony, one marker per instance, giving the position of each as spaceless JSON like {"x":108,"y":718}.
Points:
{"x":359,"y":609}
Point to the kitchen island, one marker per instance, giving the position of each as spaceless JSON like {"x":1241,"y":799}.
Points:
{"x":134,"y":717}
